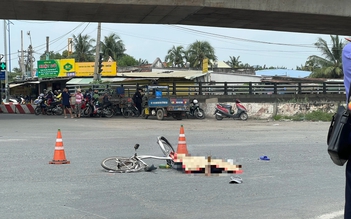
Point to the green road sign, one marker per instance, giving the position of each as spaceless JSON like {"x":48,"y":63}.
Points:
{"x":2,"y":66}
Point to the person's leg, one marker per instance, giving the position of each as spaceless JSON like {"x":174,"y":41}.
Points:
{"x":70,"y":111}
{"x":138,"y":105}
{"x":64,"y":111}
{"x":347,"y":212}
{"x":76,"y":109}
{"x":79,"y":109}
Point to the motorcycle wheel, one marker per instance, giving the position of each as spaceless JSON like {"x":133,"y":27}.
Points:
{"x":108,"y":112}
{"x":87,"y":111}
{"x":143,"y":115}
{"x":59,"y":111}
{"x":244,"y":116}
{"x":37,"y":110}
{"x":126,"y":113}
{"x":48,"y":112}
{"x":219,"y":117}
{"x":136,"y":113}
{"x":199,"y":114}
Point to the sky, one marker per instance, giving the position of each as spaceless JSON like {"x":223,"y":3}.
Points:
{"x":151,"y":41}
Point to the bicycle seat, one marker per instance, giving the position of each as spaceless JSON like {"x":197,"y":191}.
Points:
{"x":136,"y":146}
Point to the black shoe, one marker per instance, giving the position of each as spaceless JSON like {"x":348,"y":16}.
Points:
{"x":150,"y":168}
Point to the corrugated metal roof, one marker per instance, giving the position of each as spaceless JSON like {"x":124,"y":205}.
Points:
{"x":89,"y":80}
{"x":169,"y":74}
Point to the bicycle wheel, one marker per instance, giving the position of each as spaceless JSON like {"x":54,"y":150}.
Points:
{"x":121,"y":164}
{"x":165,"y":146}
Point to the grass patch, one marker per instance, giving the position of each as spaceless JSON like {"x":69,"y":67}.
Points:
{"x":313,"y":116}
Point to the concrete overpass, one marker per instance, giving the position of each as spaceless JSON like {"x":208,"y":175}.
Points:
{"x":310,"y":16}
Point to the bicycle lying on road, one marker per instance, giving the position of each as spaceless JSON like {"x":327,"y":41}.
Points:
{"x":135,"y":163}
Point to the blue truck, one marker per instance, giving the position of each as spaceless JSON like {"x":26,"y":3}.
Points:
{"x":158,"y":102}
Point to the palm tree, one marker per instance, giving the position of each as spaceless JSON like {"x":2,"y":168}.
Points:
{"x":234,"y":62}
{"x":200,"y":50}
{"x":330,"y":64}
{"x":175,"y":56}
{"x":142,"y":62}
{"x":83,"y":48}
{"x":112,"y":46}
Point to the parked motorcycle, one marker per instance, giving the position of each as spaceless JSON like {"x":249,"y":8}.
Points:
{"x":130,"y":110}
{"x":195,"y":110}
{"x":86,"y":107}
{"x":102,"y":109}
{"x":54,"y":108}
{"x":226,"y":111}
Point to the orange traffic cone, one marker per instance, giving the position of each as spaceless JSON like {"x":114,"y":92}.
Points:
{"x":182,"y":149}
{"x":59,"y":154}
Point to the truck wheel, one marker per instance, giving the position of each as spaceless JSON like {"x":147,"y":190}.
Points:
{"x":160,"y":114}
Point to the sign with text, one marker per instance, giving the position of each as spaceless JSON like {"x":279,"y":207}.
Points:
{"x":2,"y":75}
{"x":48,"y":68}
{"x":70,"y":68}
{"x":86,"y":69}
{"x":56,"y":68}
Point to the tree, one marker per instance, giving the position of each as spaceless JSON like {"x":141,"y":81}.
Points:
{"x":83,"y":48}
{"x":112,"y":46}
{"x":127,"y":60}
{"x":52,"y":55}
{"x":234,"y":62}
{"x":329,"y":65}
{"x":175,"y":56}
{"x":198,"y":51}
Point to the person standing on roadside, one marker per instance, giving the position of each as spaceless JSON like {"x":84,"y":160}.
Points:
{"x":79,"y":99}
{"x":66,"y":102}
{"x":138,"y":99}
{"x":346,"y":67}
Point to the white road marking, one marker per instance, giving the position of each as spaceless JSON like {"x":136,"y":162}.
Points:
{"x":332,"y":215}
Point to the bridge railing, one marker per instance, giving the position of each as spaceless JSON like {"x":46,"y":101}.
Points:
{"x":235,"y":88}
{"x":251,"y":88}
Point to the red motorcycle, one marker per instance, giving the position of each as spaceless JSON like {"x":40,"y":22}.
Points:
{"x":226,"y":111}
{"x":85,"y":107}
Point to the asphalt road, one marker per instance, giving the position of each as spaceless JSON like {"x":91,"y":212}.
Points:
{"x":300,"y":180}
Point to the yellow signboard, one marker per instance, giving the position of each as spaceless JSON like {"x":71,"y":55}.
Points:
{"x":205,"y":66}
{"x":86,"y":69}
{"x":67,"y":68}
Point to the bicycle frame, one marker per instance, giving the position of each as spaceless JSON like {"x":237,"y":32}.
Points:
{"x":135,"y":163}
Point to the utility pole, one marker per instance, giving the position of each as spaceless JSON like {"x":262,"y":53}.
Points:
{"x":22,"y":56}
{"x":47,"y":49}
{"x":8,"y":24}
{"x":97,"y":75}
{"x":6,"y":73}
{"x":30,"y":55}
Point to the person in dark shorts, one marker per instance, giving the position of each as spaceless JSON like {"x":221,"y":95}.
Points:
{"x":66,"y":102}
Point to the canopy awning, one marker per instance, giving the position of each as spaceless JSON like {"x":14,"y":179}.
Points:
{"x":79,"y":81}
{"x":16,"y":85}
